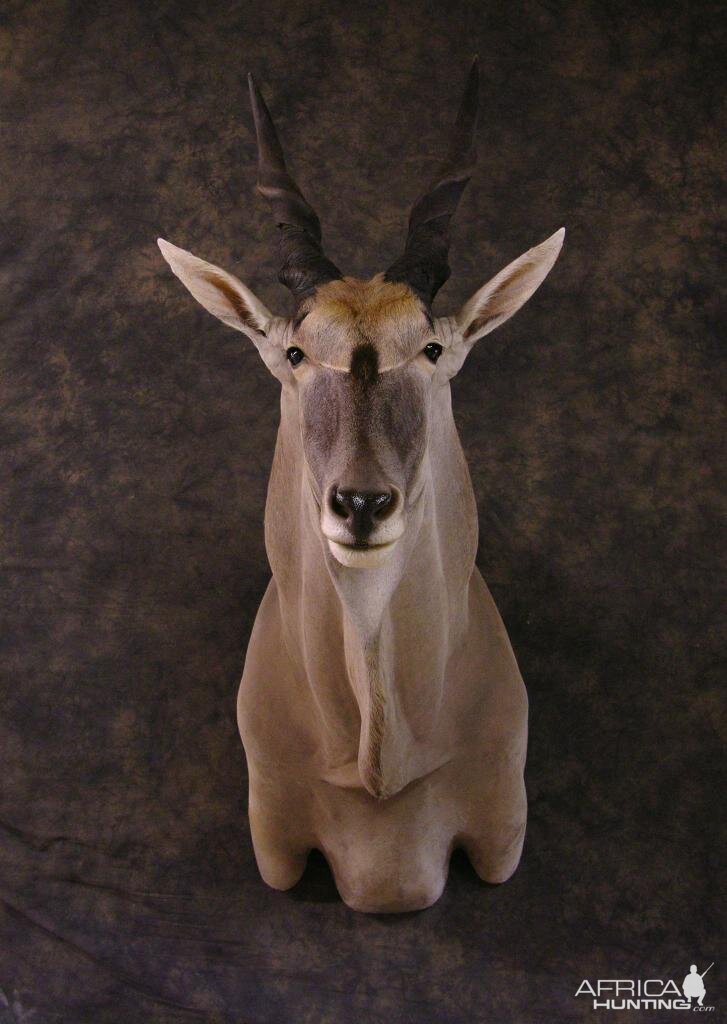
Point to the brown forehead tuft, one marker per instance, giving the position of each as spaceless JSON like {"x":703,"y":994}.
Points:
{"x":365,"y":302}
{"x":345,"y":314}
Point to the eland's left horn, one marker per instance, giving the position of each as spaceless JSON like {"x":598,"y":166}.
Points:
{"x":424,"y":265}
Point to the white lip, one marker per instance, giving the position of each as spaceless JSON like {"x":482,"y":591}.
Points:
{"x":361,"y":558}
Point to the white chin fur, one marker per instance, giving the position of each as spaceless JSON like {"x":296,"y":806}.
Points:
{"x":361,"y":558}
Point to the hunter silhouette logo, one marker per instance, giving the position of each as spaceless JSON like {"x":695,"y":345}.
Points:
{"x":649,"y":993}
{"x":693,"y":986}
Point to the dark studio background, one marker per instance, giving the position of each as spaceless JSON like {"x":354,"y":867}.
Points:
{"x":137,"y":434}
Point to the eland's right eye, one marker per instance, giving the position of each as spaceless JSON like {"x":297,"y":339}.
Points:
{"x":295,"y":355}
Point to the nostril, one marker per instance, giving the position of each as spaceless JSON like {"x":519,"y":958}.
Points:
{"x":382,"y":504}
{"x":340,"y":504}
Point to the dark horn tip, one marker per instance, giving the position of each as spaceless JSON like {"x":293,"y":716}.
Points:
{"x":472,"y":86}
{"x":473,"y":78}
{"x":468,"y":110}
{"x":253,"y":87}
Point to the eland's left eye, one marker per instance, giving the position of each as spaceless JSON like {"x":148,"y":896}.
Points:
{"x":295,"y":355}
{"x":433,"y":351}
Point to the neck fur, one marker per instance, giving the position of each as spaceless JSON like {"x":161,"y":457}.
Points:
{"x":374,"y":644}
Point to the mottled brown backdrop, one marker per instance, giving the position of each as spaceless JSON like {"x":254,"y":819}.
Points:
{"x":136,"y":435}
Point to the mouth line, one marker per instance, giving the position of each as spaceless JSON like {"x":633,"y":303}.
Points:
{"x":358,"y":556}
{"x":362,"y":545}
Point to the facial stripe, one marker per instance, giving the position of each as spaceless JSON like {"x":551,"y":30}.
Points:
{"x":365,"y":364}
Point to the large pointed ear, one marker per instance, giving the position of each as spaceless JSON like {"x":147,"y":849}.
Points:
{"x":496,"y":301}
{"x":219,"y":292}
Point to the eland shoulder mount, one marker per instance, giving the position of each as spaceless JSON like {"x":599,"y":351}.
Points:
{"x":381,"y":708}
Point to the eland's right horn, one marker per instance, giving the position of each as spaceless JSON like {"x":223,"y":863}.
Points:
{"x":304,"y":265}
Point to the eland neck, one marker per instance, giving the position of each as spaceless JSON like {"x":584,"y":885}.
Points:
{"x":373,"y":644}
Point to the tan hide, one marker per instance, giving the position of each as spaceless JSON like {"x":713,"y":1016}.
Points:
{"x":411,"y":657}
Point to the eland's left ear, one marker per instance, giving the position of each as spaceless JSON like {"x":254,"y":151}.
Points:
{"x":219,"y":292}
{"x":496,"y":301}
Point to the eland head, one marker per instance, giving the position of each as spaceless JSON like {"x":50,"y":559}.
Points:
{"x":361,"y":360}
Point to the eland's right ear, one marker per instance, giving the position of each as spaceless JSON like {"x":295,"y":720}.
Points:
{"x":219,"y":292}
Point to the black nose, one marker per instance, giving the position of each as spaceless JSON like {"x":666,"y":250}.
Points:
{"x":362,"y":510}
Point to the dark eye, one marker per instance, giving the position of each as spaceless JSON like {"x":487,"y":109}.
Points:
{"x":295,"y":355}
{"x":433,"y":351}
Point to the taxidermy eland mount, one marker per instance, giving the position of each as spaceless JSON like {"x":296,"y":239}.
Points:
{"x":381,"y":708}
